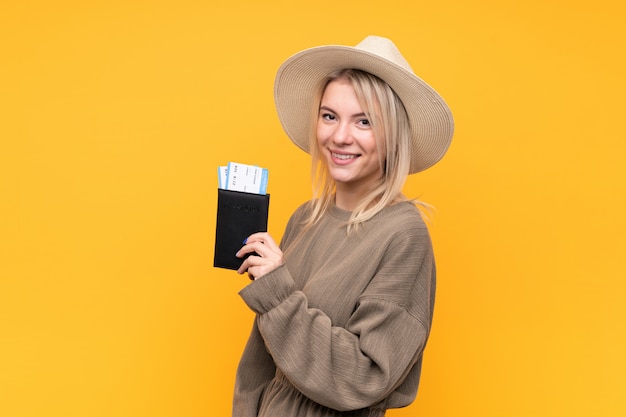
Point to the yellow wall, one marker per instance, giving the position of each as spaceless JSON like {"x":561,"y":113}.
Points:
{"x":115,"y":114}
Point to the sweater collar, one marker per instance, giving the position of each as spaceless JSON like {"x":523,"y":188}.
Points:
{"x":338,"y":213}
{"x":344,"y":215}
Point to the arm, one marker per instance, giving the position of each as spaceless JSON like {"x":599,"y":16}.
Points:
{"x":255,"y":371}
{"x":360,"y":364}
{"x":256,"y":367}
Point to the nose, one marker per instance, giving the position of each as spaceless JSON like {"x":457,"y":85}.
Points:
{"x":342,"y":134}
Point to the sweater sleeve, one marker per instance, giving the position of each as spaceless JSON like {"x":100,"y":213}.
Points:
{"x":256,"y":366}
{"x":256,"y":369}
{"x":362,"y":363}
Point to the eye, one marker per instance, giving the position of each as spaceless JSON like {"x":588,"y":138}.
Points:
{"x":327,"y":116}
{"x":364,"y":123}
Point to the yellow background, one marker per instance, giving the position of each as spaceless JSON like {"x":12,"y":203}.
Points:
{"x":114,"y":116}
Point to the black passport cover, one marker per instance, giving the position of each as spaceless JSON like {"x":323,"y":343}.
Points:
{"x":239,"y":215}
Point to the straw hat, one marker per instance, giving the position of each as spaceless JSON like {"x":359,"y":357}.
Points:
{"x":299,"y":77}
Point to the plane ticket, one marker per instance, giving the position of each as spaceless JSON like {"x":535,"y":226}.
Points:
{"x":241,"y":177}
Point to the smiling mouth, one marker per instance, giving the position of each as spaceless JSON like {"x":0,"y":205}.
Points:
{"x":343,"y":156}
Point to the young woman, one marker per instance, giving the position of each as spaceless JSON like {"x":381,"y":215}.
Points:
{"x":344,"y":305}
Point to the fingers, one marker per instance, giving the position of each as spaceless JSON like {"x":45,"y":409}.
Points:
{"x":264,"y":238}
{"x":257,"y":266}
{"x":261,"y":243}
{"x":245,"y":266}
{"x":265,"y":255}
{"x":250,"y":263}
{"x":255,"y":248}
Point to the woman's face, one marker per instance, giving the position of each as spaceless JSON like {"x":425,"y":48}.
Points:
{"x":346,"y":139}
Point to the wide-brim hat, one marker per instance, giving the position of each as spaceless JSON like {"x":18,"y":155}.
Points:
{"x":299,"y":77}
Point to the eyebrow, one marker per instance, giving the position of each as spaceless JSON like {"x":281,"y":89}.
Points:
{"x":353,"y":116}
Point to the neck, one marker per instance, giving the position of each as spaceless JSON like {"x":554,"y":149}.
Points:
{"x":348,"y":198}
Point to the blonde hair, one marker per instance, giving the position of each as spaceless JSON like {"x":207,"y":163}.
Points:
{"x":390,"y":124}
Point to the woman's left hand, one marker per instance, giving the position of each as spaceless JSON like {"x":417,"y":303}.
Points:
{"x":265,"y":255}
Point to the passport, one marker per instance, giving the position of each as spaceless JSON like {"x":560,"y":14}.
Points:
{"x":239,"y":214}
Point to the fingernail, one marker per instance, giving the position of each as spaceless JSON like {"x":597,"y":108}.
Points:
{"x":245,"y":241}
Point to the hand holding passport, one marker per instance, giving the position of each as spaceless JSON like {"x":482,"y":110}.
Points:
{"x":242,"y":209}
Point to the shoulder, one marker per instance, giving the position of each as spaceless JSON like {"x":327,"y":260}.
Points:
{"x":400,"y":227}
{"x":303,"y":209}
{"x":400,"y":217}
{"x":301,"y":213}
{"x":295,"y":222}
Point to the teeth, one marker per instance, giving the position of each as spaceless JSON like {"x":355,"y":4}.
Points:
{"x":341,"y":156}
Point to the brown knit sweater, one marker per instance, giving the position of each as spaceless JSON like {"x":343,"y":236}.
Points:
{"x":341,"y":326}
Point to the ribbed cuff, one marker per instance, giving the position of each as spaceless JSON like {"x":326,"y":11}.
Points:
{"x":268,"y":291}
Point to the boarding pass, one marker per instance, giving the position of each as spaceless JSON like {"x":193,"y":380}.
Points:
{"x":241,"y":177}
